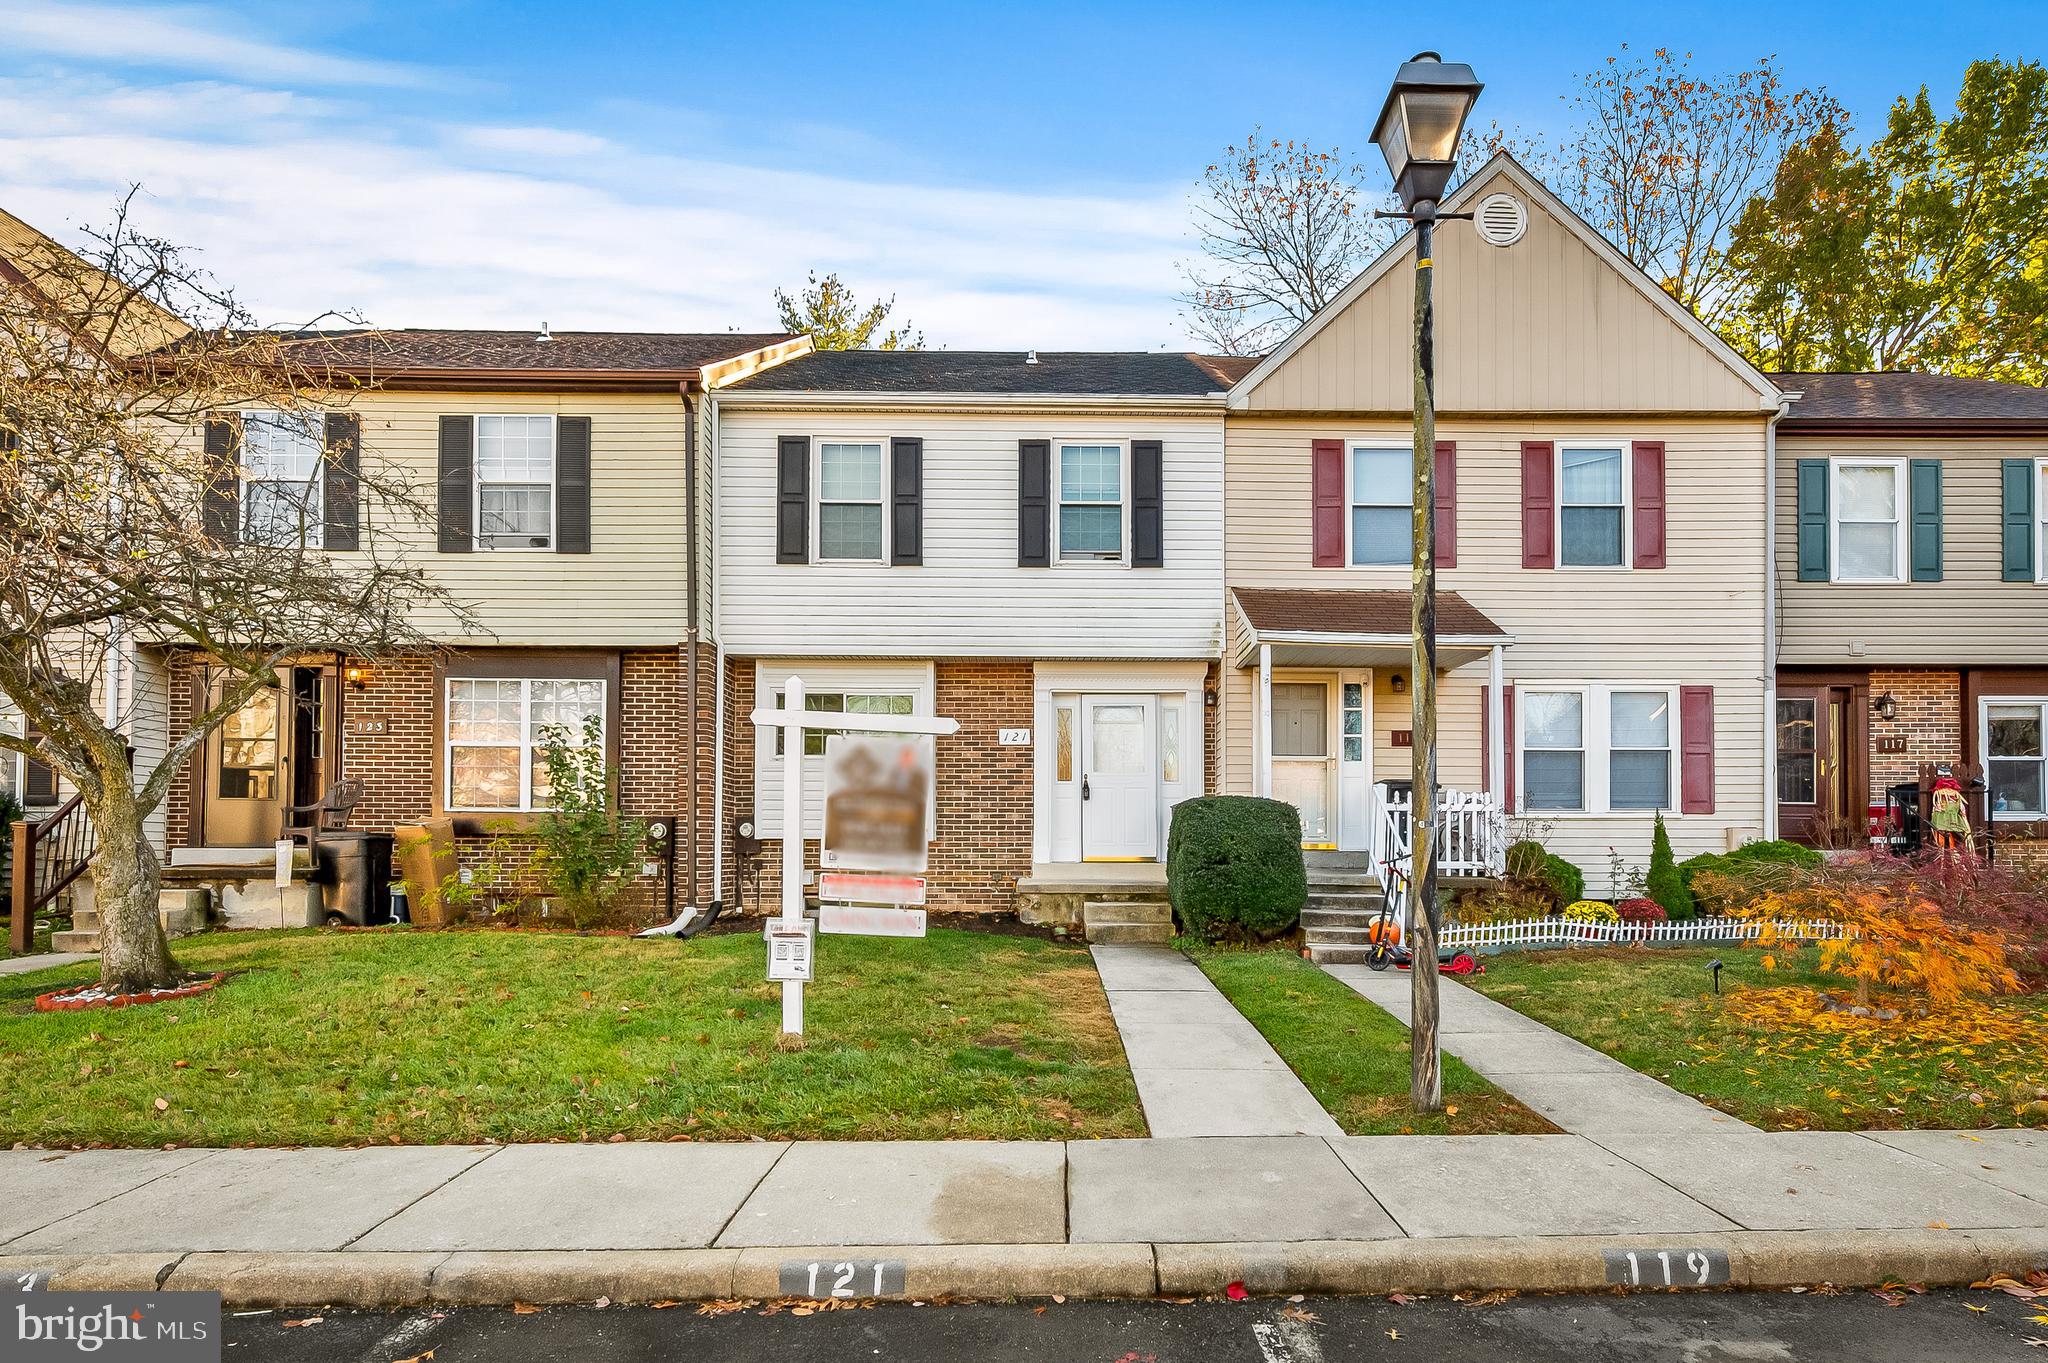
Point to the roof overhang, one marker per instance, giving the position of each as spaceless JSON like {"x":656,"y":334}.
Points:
{"x":1295,"y":644}
{"x":787,"y":400}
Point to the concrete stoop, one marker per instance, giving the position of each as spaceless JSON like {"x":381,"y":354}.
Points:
{"x":1127,"y":921}
{"x":1343,"y":900}
{"x":183,"y":913}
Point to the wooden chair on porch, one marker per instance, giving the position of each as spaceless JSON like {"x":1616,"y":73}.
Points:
{"x":328,"y":814}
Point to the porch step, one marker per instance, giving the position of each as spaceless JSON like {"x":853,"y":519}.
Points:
{"x":1127,"y":921}
{"x":1337,"y":955}
{"x":1337,"y":861}
{"x":1342,"y":881}
{"x":1314,"y":917}
{"x":182,"y":912}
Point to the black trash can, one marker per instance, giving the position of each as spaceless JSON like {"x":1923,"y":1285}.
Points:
{"x":355,"y":876}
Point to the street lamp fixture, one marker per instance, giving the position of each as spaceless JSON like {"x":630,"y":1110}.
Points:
{"x":1420,"y":125}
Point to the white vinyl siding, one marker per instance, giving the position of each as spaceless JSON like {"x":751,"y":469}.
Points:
{"x":283,"y":478}
{"x":1381,"y":521}
{"x":1866,"y":508}
{"x":515,"y":482}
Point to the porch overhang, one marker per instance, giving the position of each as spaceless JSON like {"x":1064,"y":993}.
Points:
{"x":1354,"y":628}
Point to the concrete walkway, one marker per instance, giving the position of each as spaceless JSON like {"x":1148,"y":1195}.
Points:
{"x":638,"y":1221}
{"x":1576,"y":1087}
{"x":48,"y":960}
{"x":1201,"y":1068}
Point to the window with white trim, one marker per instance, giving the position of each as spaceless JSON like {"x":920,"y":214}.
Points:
{"x":2014,"y":758}
{"x":1091,"y":497}
{"x":497,"y":730}
{"x":1382,"y":507}
{"x":1866,"y":507}
{"x":844,"y":703}
{"x":283,"y":478}
{"x":13,"y":765}
{"x":1596,"y":749}
{"x":850,"y":501}
{"x":1592,"y":497}
{"x":515,"y":482}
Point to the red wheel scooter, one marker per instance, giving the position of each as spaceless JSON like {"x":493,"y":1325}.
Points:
{"x":1384,"y":946}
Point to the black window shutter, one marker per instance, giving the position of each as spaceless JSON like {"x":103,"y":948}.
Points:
{"x":793,"y":499}
{"x":1148,"y":504}
{"x":572,"y":485}
{"x":458,"y":484}
{"x":220,"y":513}
{"x":39,"y":785}
{"x":906,"y":500}
{"x":343,"y":499}
{"x":1034,"y":503}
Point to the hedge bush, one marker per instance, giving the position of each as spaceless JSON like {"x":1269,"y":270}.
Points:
{"x":1664,"y":884}
{"x":1745,"y":857}
{"x":1530,"y":867}
{"x":1233,"y":867}
{"x":1640,"y":910}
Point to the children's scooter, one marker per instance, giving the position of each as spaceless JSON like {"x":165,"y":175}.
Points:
{"x":1383,"y":938}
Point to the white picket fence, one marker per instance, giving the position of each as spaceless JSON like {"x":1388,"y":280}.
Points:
{"x":1532,"y":932}
{"x":1471,"y":831}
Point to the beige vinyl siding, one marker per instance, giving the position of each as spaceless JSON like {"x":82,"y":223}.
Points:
{"x":1970,"y":617}
{"x":1698,"y":621}
{"x":969,"y":597}
{"x":1542,"y":325}
{"x":627,"y":590}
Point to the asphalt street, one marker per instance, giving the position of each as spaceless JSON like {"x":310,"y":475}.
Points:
{"x":1851,"y":1327}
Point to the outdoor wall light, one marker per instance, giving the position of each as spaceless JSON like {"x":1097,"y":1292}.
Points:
{"x":1885,"y":708}
{"x":356,"y":675}
{"x":1420,"y":123}
{"x":1399,"y":683}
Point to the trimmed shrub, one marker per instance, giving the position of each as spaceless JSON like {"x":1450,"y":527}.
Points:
{"x":1567,"y":882}
{"x":1233,"y":867}
{"x":1664,"y":884}
{"x":1535,"y":873}
{"x":1524,"y":859}
{"x":1751,"y":856}
{"x":1591,"y":911}
{"x":1640,"y":910}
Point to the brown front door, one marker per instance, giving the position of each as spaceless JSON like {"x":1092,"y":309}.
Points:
{"x":1821,"y":766}
{"x":267,"y":756}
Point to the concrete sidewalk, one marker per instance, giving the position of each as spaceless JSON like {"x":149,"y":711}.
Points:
{"x":469,"y":1224}
{"x":47,"y":960}
{"x":1576,"y":1087}
{"x":1200,"y":1067}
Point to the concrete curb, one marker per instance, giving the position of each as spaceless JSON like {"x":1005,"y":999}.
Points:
{"x":360,"y":1278}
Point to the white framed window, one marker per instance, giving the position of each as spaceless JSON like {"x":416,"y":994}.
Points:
{"x":515,"y":482}
{"x":849,"y":513}
{"x":1866,"y":514}
{"x":1596,"y":748}
{"x":1090,"y":487}
{"x":1592,"y":506}
{"x":496,"y":729}
{"x":845,"y":703}
{"x":2015,"y":761}
{"x":1382,"y":521}
{"x":284,"y":483}
{"x":13,"y":766}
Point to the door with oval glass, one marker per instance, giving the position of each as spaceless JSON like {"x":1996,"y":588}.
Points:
{"x":1119,"y":778}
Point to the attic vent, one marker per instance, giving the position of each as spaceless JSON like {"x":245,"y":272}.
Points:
{"x":1501,"y":219}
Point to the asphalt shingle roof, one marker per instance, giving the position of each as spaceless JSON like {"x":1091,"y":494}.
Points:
{"x":1896,"y":397}
{"x":990,"y":372}
{"x":594,"y":351}
{"x":1355,"y":611}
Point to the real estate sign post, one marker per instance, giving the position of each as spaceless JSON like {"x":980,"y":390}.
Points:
{"x":879,"y":822}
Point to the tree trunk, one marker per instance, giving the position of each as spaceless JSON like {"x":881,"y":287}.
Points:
{"x":134,"y":954}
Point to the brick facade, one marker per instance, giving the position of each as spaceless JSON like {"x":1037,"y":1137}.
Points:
{"x":1930,"y":720}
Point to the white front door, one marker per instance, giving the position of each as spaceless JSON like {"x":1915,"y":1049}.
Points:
{"x":1119,"y":778}
{"x":1302,"y":761}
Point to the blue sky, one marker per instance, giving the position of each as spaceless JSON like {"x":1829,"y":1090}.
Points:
{"x":1016,"y":175}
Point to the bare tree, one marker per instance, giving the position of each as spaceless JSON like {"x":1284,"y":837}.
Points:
{"x":1663,"y":159}
{"x":113,"y":361}
{"x":1282,"y":227}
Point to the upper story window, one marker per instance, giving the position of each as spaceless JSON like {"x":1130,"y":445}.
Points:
{"x":2015,"y":757}
{"x":2041,"y":520}
{"x":1382,"y":507}
{"x":497,"y":732}
{"x":515,"y":482}
{"x":1091,"y":511}
{"x":850,"y":501}
{"x":283,"y":482}
{"x":1597,"y":749}
{"x":1868,"y":497}
{"x":1591,"y":499}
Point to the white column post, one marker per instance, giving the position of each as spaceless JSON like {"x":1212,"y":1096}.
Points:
{"x":1265,"y":721}
{"x":793,"y":843}
{"x":1496,"y":722}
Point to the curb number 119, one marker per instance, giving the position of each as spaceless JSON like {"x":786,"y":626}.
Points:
{"x":1666,"y":1267}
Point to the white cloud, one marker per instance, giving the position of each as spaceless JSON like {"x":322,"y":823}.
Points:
{"x":306,"y":205}
{"x":185,"y":39}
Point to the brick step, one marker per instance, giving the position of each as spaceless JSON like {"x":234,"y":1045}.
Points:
{"x":1095,"y":911}
{"x":1149,"y":934}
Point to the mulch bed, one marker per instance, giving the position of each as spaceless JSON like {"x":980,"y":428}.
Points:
{"x":95,"y":995}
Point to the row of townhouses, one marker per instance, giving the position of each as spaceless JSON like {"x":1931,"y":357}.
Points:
{"x":1670,"y":582}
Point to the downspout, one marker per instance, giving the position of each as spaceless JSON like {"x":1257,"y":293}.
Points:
{"x":690,"y":634}
{"x":1770,"y":678}
{"x":718,"y":682}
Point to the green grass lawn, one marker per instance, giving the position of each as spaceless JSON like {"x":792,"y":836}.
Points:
{"x":1351,"y":1053}
{"x":326,"y":1038}
{"x":1654,"y":1009}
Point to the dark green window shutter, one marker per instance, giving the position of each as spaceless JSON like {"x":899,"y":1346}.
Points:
{"x":1034,"y":503}
{"x":572,"y":485}
{"x":1813,"y":520}
{"x":2017,"y":522}
{"x":344,"y":476}
{"x":1926,"y":502}
{"x":457,"y":485}
{"x":793,"y":499}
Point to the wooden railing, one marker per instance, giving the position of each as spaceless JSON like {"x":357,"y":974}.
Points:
{"x":49,"y":853}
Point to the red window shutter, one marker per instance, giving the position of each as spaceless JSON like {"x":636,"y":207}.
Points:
{"x":1446,"y":504}
{"x":1507,"y":747}
{"x":1647,"y":482}
{"x":1696,"y":732}
{"x":1327,"y":519}
{"x":1539,"y":504}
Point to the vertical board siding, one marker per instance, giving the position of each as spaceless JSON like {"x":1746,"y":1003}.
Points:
{"x":970,"y":597}
{"x":1973,"y":613}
